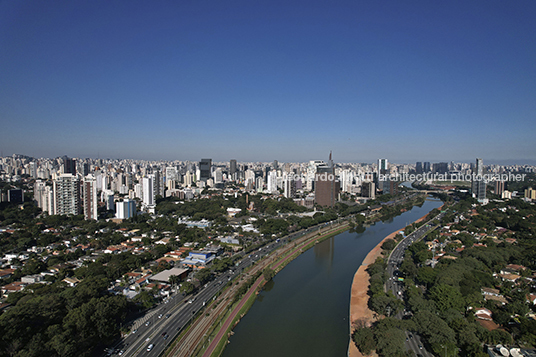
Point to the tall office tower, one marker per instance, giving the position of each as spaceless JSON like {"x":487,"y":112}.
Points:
{"x":418,"y":168}
{"x":125,"y":209}
{"x":500,"y":186}
{"x":67,"y":195}
{"x":426,"y":167}
{"x":232,"y":169}
{"x":272,"y":182}
{"x":89,"y":194}
{"x":275,"y":165}
{"x":148,"y":190}
{"x":479,"y":183}
{"x":383,"y":166}
{"x":326,"y":185}
{"x":368,"y":189}
{"x":69,"y":166}
{"x":205,"y":169}
{"x":289,"y":186}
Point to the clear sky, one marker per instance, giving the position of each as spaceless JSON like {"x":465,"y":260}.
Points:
{"x":264,"y":80}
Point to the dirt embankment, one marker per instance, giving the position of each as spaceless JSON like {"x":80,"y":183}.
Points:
{"x":359,"y":311}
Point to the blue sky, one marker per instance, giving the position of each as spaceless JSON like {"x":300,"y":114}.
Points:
{"x":264,"y":80}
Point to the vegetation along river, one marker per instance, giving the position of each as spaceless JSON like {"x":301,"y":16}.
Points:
{"x":304,"y":310}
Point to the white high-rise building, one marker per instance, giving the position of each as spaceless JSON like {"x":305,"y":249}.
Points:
{"x":44,"y":196}
{"x":138,"y":190}
{"x":311,"y":172}
{"x":67,"y":195}
{"x":218,"y":175}
{"x":272,"y":182}
{"x":148,"y":190}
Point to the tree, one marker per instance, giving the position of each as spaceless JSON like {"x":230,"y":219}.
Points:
{"x":446,"y":297}
{"x":186,"y":288}
{"x":364,"y":340}
{"x":174,"y":279}
{"x":268,"y":274}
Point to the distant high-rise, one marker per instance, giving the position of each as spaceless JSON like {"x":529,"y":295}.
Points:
{"x":427,"y":167}
{"x":148,"y":190}
{"x":232,"y":169}
{"x":441,"y":167}
{"x":327,"y":187}
{"x":368,"y":189}
{"x":67,"y":195}
{"x":499,"y":187}
{"x":418,"y":168}
{"x":205,"y":169}
{"x":89,"y":193}
{"x":125,"y":209}
{"x":272,"y":182}
{"x":289,"y":186}
{"x":479,"y":183}
{"x":383,"y":166}
{"x":69,"y":166}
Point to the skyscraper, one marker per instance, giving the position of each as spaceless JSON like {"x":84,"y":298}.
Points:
{"x":418,"y":168}
{"x":67,"y":195}
{"x":232,"y":169}
{"x":272,"y":182}
{"x":69,"y":166}
{"x":383,"y":166}
{"x":326,"y":185}
{"x":205,"y":169}
{"x":289,"y":186}
{"x":148,"y":190}
{"x":479,"y":182}
{"x":89,"y":193}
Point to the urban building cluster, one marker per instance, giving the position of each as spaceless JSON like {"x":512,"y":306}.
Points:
{"x":66,"y":186}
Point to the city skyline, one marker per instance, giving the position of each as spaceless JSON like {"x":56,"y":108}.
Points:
{"x":412,"y":81}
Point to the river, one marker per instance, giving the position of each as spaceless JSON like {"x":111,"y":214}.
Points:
{"x":304,"y":310}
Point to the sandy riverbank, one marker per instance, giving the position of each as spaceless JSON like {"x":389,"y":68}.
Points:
{"x":359,"y":310}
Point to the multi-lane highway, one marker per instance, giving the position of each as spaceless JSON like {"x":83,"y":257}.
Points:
{"x":413,"y":341}
{"x":151,"y":334}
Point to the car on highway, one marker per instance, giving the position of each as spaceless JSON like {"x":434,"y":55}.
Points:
{"x":150,"y":347}
{"x":147,"y":323}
